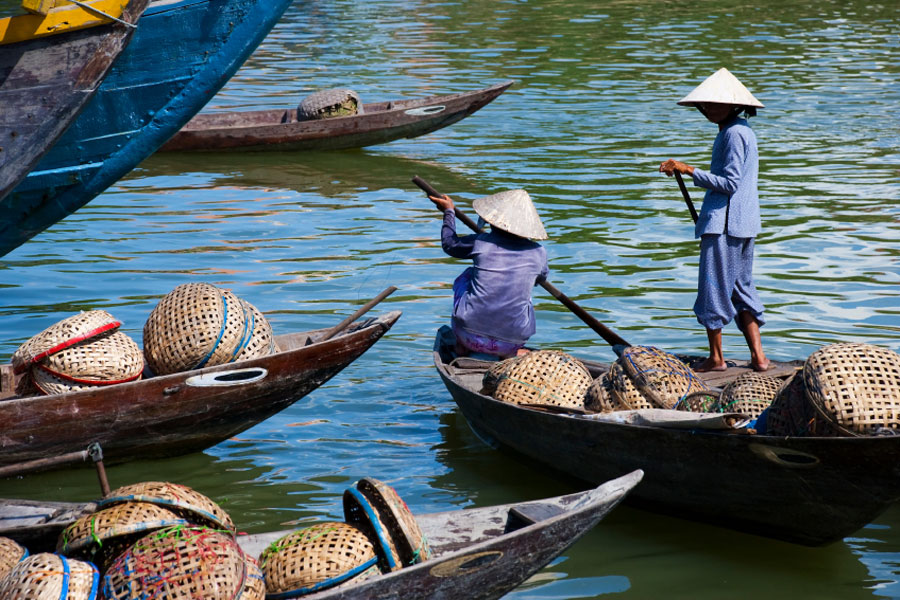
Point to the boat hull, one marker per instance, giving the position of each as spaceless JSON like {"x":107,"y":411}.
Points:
{"x":279,"y":129}
{"x":183,"y":412}
{"x":182,"y":53}
{"x":809,"y":491}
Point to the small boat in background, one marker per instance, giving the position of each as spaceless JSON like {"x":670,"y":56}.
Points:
{"x":183,"y":52}
{"x":378,"y":123}
{"x":51,"y":64}
{"x":804,"y":490}
{"x":477,"y":553}
{"x":171,"y":415}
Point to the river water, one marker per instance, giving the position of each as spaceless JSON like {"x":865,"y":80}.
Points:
{"x":308,"y":238}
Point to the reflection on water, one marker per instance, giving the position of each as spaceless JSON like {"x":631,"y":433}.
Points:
{"x":307,"y":238}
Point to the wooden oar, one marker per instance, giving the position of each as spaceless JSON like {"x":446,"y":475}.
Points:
{"x":611,"y":337}
{"x":92,"y":452}
{"x":363,"y":310}
{"x":687,"y":197}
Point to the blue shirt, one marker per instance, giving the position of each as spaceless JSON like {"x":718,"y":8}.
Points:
{"x":506,"y":267}
{"x":731,"y":203}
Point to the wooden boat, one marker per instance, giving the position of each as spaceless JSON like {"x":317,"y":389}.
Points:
{"x":479,"y":553}
{"x":50,"y":66}
{"x":179,"y":413}
{"x":181,"y":55}
{"x":378,"y":123}
{"x":805,"y":490}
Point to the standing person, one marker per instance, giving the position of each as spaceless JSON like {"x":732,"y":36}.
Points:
{"x":729,"y":219}
{"x":492,"y":309}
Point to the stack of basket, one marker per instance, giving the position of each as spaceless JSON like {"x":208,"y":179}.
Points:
{"x":326,"y":104}
{"x":643,"y":377}
{"x":379,"y":535}
{"x":540,"y":378}
{"x":198,"y":325}
{"x":80,"y":352}
{"x":847,"y":389}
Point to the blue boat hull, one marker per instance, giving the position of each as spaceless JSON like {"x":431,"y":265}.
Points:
{"x":183,"y":52}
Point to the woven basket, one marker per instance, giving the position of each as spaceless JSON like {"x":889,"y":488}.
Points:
{"x":706,"y":401}
{"x":103,"y":535}
{"x":359,"y":511}
{"x":180,"y":499}
{"x":661,"y":377}
{"x":325,"y":104}
{"x":855,"y":386}
{"x":195,"y":325}
{"x":598,"y":397}
{"x":254,"y":583}
{"x":48,"y":576}
{"x":261,"y":338}
{"x":792,"y":414}
{"x":318,"y":557}
{"x":10,"y":554}
{"x":398,"y":519}
{"x":547,"y":377}
{"x":104,"y":360}
{"x":495,"y":373}
{"x":178,"y":563}
{"x":749,"y":394}
{"x":622,"y":392}
{"x":71,"y":330}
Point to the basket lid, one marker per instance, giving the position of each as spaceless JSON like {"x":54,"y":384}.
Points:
{"x":359,"y":511}
{"x":317,"y":557}
{"x":119,"y":520}
{"x":548,"y":377}
{"x":180,"y":499}
{"x":178,"y":563}
{"x":61,"y":335}
{"x":395,"y":514}
{"x":48,"y":576}
{"x":108,"y":359}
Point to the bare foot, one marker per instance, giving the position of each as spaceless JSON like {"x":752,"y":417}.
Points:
{"x":760,"y":367}
{"x":522,"y":351}
{"x":710,"y":365}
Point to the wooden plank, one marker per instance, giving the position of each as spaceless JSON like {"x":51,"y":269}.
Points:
{"x":58,"y":20}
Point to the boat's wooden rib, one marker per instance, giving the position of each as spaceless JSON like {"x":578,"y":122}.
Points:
{"x":179,"y":413}
{"x":47,"y":78}
{"x":279,"y":129}
{"x":478,"y":553}
{"x":806,"y":490}
{"x":182,"y":53}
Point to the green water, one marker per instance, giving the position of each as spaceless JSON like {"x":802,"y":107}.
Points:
{"x":307,"y":238}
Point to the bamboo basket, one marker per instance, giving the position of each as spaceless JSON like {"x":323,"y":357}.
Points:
{"x":622,"y":391}
{"x":48,"y":576}
{"x":261,"y":338}
{"x":495,"y":373}
{"x":399,"y":521}
{"x":547,"y":377}
{"x":254,"y":584}
{"x":359,"y":511}
{"x":792,"y":414}
{"x":322,"y":556}
{"x":59,"y":336}
{"x":662,"y":378}
{"x":180,"y":499}
{"x":10,"y":554}
{"x":179,"y":563}
{"x":107,"y":359}
{"x":749,"y":394}
{"x":598,"y":398}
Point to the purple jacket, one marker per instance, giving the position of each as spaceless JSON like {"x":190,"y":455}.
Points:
{"x":498,"y":301}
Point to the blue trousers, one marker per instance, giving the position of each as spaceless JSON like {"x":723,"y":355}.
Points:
{"x":725,"y":285}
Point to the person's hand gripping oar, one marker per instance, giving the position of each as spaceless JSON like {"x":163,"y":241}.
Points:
{"x":612,"y":338}
{"x":671,"y":167}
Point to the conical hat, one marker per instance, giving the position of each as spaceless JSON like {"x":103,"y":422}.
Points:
{"x":513,"y":212}
{"x":721,"y":88}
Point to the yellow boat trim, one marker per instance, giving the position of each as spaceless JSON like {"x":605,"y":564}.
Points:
{"x":63,"y":17}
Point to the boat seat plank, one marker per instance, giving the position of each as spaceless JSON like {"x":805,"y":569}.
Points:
{"x":529,"y":514}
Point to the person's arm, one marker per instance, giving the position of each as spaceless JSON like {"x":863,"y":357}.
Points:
{"x":545,"y":271}
{"x":455,"y":246}
{"x":732,"y":172}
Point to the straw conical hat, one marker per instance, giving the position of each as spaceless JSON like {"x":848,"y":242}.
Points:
{"x":721,"y":88}
{"x":513,"y":212}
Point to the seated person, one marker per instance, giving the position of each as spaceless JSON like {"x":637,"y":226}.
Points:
{"x":492,"y":309}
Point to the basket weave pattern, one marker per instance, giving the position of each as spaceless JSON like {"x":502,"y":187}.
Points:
{"x":547,"y":377}
{"x":749,"y":394}
{"x":329,"y":103}
{"x":792,"y":414}
{"x":180,"y":499}
{"x":104,"y":360}
{"x":661,"y":377}
{"x":398,"y":520}
{"x":261,"y":338}
{"x":71,"y":330}
{"x":254,"y":584}
{"x":598,"y":397}
{"x":359,"y":511}
{"x":317,"y":556}
{"x":622,"y":391}
{"x":48,"y":576}
{"x":495,"y":373}
{"x":178,"y":563}
{"x":856,"y":386}
{"x":10,"y":554}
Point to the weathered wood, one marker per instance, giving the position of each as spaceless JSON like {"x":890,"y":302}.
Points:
{"x":476,"y":555}
{"x":45,"y":82}
{"x":279,"y":129}
{"x":184,"y":412}
{"x":806,"y":490}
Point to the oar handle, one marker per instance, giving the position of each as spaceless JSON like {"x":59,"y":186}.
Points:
{"x":687,"y":197}
{"x":362,"y":310}
{"x":602,"y":330}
